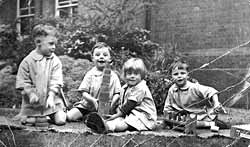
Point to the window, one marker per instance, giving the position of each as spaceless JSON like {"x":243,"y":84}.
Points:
{"x":25,"y":15}
{"x":66,"y":8}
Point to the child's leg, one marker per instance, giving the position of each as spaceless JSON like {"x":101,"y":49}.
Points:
{"x":117,"y":124}
{"x":59,"y":118}
{"x":76,"y":114}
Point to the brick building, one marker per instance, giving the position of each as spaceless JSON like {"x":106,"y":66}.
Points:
{"x":189,"y":24}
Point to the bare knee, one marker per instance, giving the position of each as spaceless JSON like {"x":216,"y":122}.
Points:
{"x":60,"y":118}
{"x":117,"y":125}
{"x":74,"y":114}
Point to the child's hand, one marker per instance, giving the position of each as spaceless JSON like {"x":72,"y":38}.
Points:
{"x":113,"y":107}
{"x":50,"y":102}
{"x":111,"y":117}
{"x":219,"y":109}
{"x":217,"y":105}
{"x":33,"y":98}
{"x":95,"y":102}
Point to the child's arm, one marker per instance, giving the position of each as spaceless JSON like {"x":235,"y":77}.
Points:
{"x":90,"y":99}
{"x":56,"y":82}
{"x":85,"y":87}
{"x":168,"y":105}
{"x":217,"y":107}
{"x":114,"y":103}
{"x":211,"y":94}
{"x":56,"y":77}
{"x":215,"y":100}
{"x":50,"y":100}
{"x":115,"y":99}
{"x":116,"y":115}
{"x":124,"y":109}
{"x":24,"y":83}
{"x":116,"y":96}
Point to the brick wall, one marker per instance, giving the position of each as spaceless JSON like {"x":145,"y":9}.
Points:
{"x":130,"y":13}
{"x":8,"y":12}
{"x":193,"y":24}
{"x":211,"y":28}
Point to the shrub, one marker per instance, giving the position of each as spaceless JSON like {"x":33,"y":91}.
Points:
{"x":73,"y":72}
{"x":8,"y":42}
{"x":158,"y":84}
{"x":8,"y":96}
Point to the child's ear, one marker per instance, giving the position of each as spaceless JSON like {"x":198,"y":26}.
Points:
{"x":38,"y":43}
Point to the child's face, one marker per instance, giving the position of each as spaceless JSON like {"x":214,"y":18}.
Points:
{"x":101,"y":56}
{"x":132,"y":78}
{"x":180,"y":76}
{"x":47,"y":45}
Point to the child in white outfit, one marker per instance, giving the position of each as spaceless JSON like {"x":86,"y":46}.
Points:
{"x":91,"y":84}
{"x":40,"y":79}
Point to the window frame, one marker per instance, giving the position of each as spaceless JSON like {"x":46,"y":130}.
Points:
{"x":65,"y":4}
{"x":20,"y":16}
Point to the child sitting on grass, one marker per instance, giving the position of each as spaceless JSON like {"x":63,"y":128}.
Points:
{"x":186,"y":96}
{"x":137,"y":110}
{"x":91,"y":84}
{"x":40,"y":78}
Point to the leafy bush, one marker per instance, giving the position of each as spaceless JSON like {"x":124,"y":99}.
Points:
{"x":158,"y":84}
{"x":73,"y":72}
{"x":8,"y":42}
{"x":8,"y":95}
{"x":13,"y":49}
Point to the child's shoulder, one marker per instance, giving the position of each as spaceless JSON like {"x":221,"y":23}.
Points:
{"x":198,"y":87}
{"x":30,"y":56}
{"x":115,"y":73}
{"x":142,"y":86}
{"x":91,"y":71}
{"x":56,"y":57}
{"x":189,"y":84}
{"x":33,"y":55}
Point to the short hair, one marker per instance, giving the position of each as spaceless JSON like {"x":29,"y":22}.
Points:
{"x":100,"y":45}
{"x":179,"y":64}
{"x":134,"y":64}
{"x":44,"y":30}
